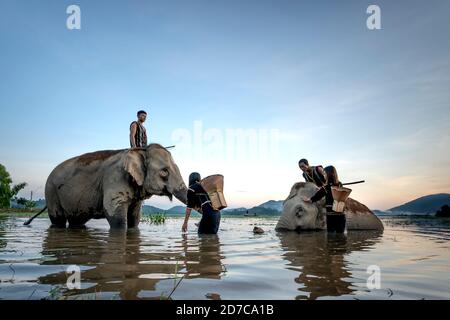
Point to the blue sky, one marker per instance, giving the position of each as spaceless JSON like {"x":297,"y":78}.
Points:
{"x":373,"y":103}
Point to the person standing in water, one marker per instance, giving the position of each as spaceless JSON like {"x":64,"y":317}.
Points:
{"x":198,"y":199}
{"x":138,"y":133}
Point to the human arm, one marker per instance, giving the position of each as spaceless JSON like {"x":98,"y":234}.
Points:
{"x":133,"y":130}
{"x":186,"y":219}
{"x":317,"y":196}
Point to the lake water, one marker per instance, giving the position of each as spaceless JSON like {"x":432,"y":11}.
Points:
{"x":156,"y":261}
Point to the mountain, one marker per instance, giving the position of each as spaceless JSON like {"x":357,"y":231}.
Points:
{"x":177,"y":210}
{"x":272,"y":204}
{"x":269,"y":208}
{"x":424,"y":205}
{"x":146,"y":209}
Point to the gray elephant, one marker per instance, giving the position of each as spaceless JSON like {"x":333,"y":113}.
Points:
{"x":299,"y":215}
{"x":111,"y":184}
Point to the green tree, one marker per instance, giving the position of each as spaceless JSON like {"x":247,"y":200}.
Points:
{"x":29,"y":204}
{"x":7,"y":192}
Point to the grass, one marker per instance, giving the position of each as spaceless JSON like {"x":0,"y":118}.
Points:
{"x":21,"y":213}
{"x":156,"y":218}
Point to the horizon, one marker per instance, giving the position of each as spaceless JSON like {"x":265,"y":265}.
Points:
{"x":258,"y":205}
{"x":245,"y":93}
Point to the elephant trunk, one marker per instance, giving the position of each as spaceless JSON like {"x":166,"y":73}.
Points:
{"x":181,"y":193}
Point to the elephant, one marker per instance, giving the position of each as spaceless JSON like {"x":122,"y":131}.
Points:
{"x":111,"y":184}
{"x":299,"y":215}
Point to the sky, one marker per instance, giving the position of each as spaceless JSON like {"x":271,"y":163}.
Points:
{"x":242,"y":88}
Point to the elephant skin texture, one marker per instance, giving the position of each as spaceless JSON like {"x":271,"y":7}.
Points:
{"x":111,"y":184}
{"x":299,"y":215}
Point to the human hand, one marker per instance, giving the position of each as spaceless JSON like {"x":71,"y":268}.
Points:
{"x":184,"y":227}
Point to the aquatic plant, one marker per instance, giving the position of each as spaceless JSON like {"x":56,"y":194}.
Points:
{"x":156,"y":218}
{"x":176,"y":283}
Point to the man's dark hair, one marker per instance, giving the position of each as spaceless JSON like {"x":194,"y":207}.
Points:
{"x":304,"y":161}
{"x":141,"y":112}
{"x":194,"y":177}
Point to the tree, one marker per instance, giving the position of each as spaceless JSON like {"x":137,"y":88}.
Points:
{"x":444,"y":212}
{"x":7,"y":192}
{"x":29,"y":204}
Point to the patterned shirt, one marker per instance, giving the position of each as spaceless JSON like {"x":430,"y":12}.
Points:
{"x":140,"y":139}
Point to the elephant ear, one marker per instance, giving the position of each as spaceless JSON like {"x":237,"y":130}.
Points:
{"x":135,"y":165}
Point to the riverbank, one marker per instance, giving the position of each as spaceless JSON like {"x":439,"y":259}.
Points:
{"x":21,"y":213}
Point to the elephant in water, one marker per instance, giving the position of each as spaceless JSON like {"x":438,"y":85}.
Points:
{"x":299,"y":215}
{"x":111,"y":184}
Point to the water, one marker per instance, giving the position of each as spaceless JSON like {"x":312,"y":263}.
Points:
{"x":156,"y":262}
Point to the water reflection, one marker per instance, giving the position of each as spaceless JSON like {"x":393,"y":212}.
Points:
{"x":203,"y":257}
{"x":126,"y":263}
{"x":320,"y":259}
{"x":3,"y":242}
{"x":146,"y":263}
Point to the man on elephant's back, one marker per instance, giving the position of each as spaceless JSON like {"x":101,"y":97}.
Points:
{"x":138,"y":133}
{"x":324,"y":179}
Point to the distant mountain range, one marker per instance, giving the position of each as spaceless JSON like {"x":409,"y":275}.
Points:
{"x":424,"y":205}
{"x":269,"y":208}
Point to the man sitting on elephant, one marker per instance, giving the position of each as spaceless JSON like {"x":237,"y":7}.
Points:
{"x":324,"y":179}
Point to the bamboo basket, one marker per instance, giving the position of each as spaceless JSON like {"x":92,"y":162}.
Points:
{"x":340,"y":195}
{"x":213,"y":186}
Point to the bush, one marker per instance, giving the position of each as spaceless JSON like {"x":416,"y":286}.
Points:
{"x":444,"y":212}
{"x":8,"y":192}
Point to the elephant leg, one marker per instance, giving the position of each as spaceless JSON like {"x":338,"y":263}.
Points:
{"x":57,"y":216}
{"x":116,"y":211}
{"x":58,"y":221}
{"x":134,"y":214}
{"x":56,"y":213}
{"x":76,"y":222}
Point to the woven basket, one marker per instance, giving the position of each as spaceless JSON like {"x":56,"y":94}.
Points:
{"x":340,"y":195}
{"x":213,"y":186}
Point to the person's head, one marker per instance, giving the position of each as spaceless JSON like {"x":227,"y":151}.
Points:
{"x":142,"y":115}
{"x":332,"y":176}
{"x":194,"y":177}
{"x":303,"y":164}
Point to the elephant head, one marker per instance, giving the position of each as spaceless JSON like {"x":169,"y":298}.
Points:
{"x":298,"y":214}
{"x":153,"y":169}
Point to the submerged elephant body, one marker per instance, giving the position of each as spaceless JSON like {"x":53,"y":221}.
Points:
{"x":299,"y":215}
{"x":111,"y":184}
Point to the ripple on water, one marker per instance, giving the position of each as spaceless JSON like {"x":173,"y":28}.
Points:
{"x":235,"y":264}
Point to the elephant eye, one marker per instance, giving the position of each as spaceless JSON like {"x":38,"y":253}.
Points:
{"x":164,"y":173}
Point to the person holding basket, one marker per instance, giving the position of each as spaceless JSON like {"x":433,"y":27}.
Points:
{"x":206,"y":197}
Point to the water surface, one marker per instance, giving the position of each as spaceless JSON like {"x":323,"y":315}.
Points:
{"x":156,"y":261}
